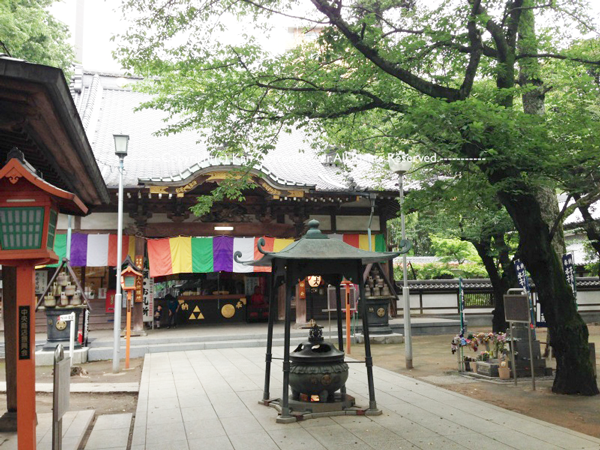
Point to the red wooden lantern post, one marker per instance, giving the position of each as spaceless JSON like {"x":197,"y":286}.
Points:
{"x":130,"y":275}
{"x":29,"y":208}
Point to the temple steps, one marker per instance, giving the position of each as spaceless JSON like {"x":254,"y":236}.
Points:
{"x":103,"y":350}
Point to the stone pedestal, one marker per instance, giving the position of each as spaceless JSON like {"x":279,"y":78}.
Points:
{"x":522,"y":356}
{"x":394,"y":338}
{"x":58,"y":330}
{"x":487,"y":368}
{"x":46,"y":358}
{"x":8,"y":422}
{"x":378,"y":315}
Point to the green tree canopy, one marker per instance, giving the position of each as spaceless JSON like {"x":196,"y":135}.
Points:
{"x":28,"y":31}
{"x":462,"y":79}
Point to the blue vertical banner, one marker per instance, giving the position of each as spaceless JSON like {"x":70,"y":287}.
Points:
{"x":568,"y":268}
{"x":524,"y":284}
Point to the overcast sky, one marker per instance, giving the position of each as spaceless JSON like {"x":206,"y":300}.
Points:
{"x":103,"y":19}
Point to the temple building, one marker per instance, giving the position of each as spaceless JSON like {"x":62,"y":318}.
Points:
{"x":191,"y":257}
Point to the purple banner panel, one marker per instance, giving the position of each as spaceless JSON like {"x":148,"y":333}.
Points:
{"x":79,"y":249}
{"x":223,"y":253}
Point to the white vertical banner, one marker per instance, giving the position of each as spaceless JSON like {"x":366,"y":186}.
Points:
{"x":246,"y":247}
{"x":148,"y":297}
{"x":97,"y":250}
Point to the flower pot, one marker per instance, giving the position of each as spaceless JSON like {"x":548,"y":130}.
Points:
{"x":504,"y":373}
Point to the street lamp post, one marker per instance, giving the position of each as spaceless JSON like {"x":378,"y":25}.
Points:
{"x":121,"y":144}
{"x":400,"y":168}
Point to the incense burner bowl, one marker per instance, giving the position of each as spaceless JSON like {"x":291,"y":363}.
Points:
{"x":317,"y":369}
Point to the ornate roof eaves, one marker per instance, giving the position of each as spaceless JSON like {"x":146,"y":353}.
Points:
{"x":199,"y":170}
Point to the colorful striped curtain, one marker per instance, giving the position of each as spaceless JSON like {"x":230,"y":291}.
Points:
{"x":93,"y":250}
{"x":202,"y":255}
{"x":186,"y":254}
{"x":214,"y":254}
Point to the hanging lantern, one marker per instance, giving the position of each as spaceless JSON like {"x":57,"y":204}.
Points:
{"x":314,"y":281}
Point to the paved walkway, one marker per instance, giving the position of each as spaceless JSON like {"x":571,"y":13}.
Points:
{"x":85,"y":387}
{"x":110,"y":431}
{"x":74,"y":427}
{"x":209,"y":399}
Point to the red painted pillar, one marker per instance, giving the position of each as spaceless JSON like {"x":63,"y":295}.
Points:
{"x":25,"y":342}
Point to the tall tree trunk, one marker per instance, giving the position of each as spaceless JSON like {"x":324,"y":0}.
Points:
{"x":534,"y":103}
{"x":534,"y":212}
{"x":591,"y":227}
{"x":484,"y":250}
{"x":569,"y":333}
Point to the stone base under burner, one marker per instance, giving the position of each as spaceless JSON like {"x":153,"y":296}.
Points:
{"x":310,"y":410}
{"x":394,"y":338}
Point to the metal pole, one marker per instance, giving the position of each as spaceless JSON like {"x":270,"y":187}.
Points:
{"x":531,"y":364}
{"x":69,"y":228}
{"x":347,"y":297}
{"x":269,"y":354}
{"x":338,"y":309}
{"x":56,"y":417}
{"x":118,"y":296}
{"x":512,"y":352}
{"x":128,"y":330}
{"x":405,"y":291}
{"x":365,"y":321}
{"x":289,"y":287}
{"x":71,"y":337}
{"x":372,"y":199}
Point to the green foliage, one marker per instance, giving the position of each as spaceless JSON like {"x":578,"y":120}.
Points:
{"x":508,"y":104}
{"x":593,"y":261}
{"x":417,"y":232}
{"x":453,"y":250}
{"x":472,"y":271}
{"x":28,"y":31}
{"x":435,"y":271}
{"x":231,"y":189}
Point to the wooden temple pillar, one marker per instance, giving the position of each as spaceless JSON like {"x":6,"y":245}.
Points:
{"x":8,"y":422}
{"x":137,"y":314}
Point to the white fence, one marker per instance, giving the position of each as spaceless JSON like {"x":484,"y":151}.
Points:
{"x":440,"y":297}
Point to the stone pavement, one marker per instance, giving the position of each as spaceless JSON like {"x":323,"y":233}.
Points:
{"x":110,"y":431}
{"x":85,"y":387}
{"x":209,"y":399}
{"x":74,"y":427}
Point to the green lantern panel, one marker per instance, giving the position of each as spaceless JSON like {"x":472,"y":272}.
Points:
{"x":52,"y":229}
{"x":21,"y":228}
{"x":129,"y":281}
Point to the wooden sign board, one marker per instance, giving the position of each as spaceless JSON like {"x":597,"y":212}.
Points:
{"x":24,"y":332}
{"x":62,"y":387}
{"x":516,"y":308}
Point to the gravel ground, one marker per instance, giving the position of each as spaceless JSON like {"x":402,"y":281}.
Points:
{"x":433,"y":362}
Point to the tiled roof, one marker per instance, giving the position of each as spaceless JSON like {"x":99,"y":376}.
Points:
{"x":107,"y":108}
{"x":576,"y":218}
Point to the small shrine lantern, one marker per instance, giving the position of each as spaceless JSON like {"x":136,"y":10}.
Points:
{"x":130,"y":274}
{"x":29,"y":208}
